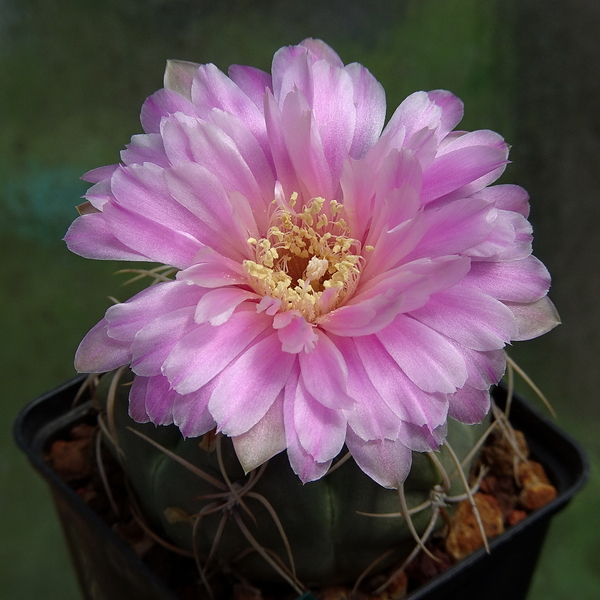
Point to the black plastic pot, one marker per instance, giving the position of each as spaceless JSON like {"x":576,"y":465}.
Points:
{"x":109,"y":570}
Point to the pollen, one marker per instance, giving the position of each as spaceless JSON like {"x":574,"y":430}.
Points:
{"x":307,"y":260}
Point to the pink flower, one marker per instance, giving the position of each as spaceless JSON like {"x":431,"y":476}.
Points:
{"x":337,"y":284}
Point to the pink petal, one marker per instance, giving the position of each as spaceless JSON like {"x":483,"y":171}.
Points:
{"x":151,"y":239}
{"x":369,"y":417}
{"x":335,"y":121}
{"x":305,"y":148}
{"x":465,"y":139}
{"x":507,"y":197}
{"x":191,"y":414}
{"x":364,"y":318}
{"x":218,"y":305}
{"x":324,"y":373}
{"x":469,"y":405}
{"x":410,"y":285}
{"x":218,"y":224}
{"x":99,"y":174}
{"x":321,"y":430}
{"x":458,"y":168}
{"x":391,"y":247}
{"x":90,"y":237}
{"x":98,"y":352}
{"x":404,"y":398}
{"x":319,"y":50}
{"x":206,"y":351}
{"x":302,"y":463}
{"x":291,"y":71}
{"x":534,"y":319}
{"x":250,"y":385}
{"x":521,"y":281}
{"x":357,"y":182}
{"x":154,"y":342}
{"x":145,"y":148}
{"x":213,"y":89}
{"x":264,"y":440}
{"x":452,"y":110}
{"x":157,"y":396}
{"x":161,"y":104}
{"x":213,"y":270}
{"x":502,"y":238}
{"x":473,"y":319}
{"x":416,"y":112}
{"x":137,"y":401}
{"x":98,"y":195}
{"x":385,"y":461}
{"x":401,"y":172}
{"x":281,"y":159}
{"x":485,"y":368}
{"x":253,"y":82}
{"x":127,"y":318}
{"x":179,"y":76}
{"x":257,"y":158}
{"x":428,"y":359}
{"x":294,"y":332}
{"x":455,"y":228}
{"x":369,"y":100}
{"x":142,"y":189}
{"x":521,"y":246}
{"x":422,"y":438}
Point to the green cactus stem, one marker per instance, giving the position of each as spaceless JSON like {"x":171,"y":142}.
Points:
{"x":247,"y":521}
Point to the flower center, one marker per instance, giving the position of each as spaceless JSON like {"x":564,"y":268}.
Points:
{"x":306,"y":262}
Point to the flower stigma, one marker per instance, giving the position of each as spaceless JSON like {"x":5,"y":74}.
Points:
{"x":307,"y":262}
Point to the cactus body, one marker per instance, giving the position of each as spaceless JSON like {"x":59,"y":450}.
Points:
{"x":330,"y":541}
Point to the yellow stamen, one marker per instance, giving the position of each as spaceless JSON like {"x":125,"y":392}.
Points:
{"x":304,"y":254}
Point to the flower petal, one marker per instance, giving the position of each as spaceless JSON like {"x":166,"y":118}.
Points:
{"x":213,"y":270}
{"x":158,"y":398}
{"x":206,"y":350}
{"x":320,"y":430}
{"x":369,"y":417}
{"x":534,"y":319}
{"x":150,"y":238}
{"x":520,"y":281}
{"x":469,"y":405}
{"x":98,"y":352}
{"x":154,"y":342}
{"x":473,"y":319}
{"x":385,"y":461}
{"x":404,"y":398}
{"x":264,"y":440}
{"x":458,"y":168}
{"x":324,"y":373}
{"x":428,"y":359}
{"x":191,"y":414}
{"x":301,"y":461}
{"x":216,"y":306}
{"x":294,"y":332}
{"x":127,"y":318}
{"x":250,"y":385}
{"x":90,"y":237}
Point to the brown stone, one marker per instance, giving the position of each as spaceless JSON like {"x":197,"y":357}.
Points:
{"x":537,"y":490}
{"x":465,"y":536}
{"x":516,"y":516}
{"x":70,"y":459}
{"x":396,"y":590}
{"x":500,"y":455}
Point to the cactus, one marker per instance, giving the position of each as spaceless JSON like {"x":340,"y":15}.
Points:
{"x":329,"y":524}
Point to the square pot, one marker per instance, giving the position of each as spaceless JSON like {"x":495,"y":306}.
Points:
{"x":108,"y":569}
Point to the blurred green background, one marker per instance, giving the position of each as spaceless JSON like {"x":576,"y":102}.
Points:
{"x":73,"y":75}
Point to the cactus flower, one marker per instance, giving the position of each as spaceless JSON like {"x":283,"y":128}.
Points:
{"x":337,"y":282}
